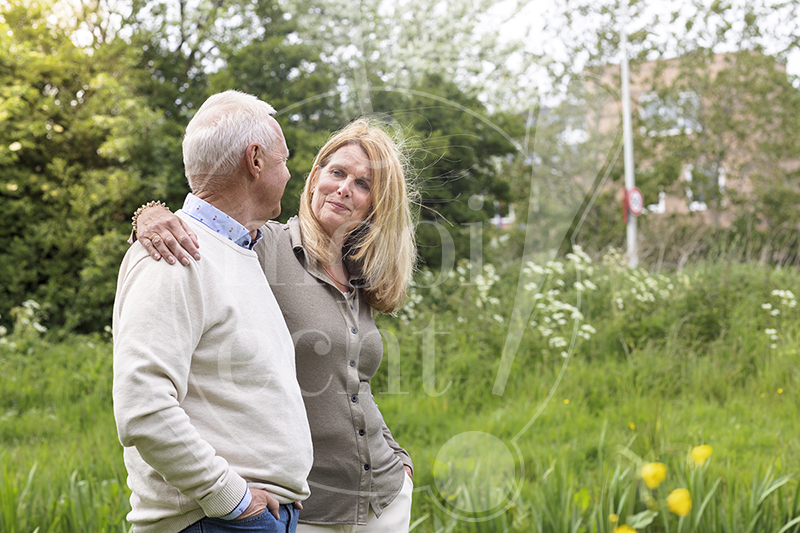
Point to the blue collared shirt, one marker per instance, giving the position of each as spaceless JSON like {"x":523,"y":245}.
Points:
{"x":210,"y":216}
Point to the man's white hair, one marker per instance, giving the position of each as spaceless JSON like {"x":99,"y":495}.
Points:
{"x":217,"y":137}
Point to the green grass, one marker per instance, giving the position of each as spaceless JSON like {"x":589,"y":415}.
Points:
{"x":688,"y":362}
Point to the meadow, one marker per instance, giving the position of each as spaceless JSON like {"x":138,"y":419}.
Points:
{"x":546,"y":396}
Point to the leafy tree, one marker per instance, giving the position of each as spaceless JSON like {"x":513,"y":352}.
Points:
{"x":459,"y":149}
{"x":745,"y":128}
{"x":398,"y":43}
{"x":300,"y":86}
{"x":70,"y":139}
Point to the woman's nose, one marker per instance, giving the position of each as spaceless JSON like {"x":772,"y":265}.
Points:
{"x":344,"y":188}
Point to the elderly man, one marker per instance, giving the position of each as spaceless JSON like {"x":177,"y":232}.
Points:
{"x":214,"y":427}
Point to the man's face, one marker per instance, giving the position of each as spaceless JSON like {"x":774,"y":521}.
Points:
{"x":274,"y":176}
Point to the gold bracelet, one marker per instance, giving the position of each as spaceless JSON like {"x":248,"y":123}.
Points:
{"x":139,"y":211}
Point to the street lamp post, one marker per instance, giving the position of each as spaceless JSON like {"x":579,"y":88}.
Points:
{"x":627,"y":138}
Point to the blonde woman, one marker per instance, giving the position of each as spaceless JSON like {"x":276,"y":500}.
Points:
{"x":350,"y":252}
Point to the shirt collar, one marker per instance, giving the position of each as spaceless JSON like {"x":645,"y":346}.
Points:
{"x":311,"y":264}
{"x":216,"y":220}
{"x":295,"y":237}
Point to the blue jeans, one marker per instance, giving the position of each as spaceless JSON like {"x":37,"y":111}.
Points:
{"x":261,"y":523}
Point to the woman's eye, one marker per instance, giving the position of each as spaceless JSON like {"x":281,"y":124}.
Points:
{"x":363,"y":184}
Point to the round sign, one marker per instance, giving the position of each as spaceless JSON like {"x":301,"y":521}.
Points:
{"x":635,"y":201}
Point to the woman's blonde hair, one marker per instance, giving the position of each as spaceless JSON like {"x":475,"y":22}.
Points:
{"x":381,"y":251}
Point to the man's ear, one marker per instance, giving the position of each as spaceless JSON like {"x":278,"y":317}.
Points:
{"x":255,"y":159}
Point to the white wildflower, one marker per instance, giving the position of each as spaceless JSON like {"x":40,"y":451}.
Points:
{"x":558,"y":342}
{"x":546,"y":332}
{"x":556,"y":266}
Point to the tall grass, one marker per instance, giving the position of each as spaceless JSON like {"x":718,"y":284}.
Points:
{"x":615,"y":369}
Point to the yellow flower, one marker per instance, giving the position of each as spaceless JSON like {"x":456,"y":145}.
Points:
{"x":679,"y":502}
{"x":701,"y":453}
{"x":566,"y":402}
{"x":624,"y":528}
{"x":613,"y":518}
{"x":780,"y":391}
{"x":632,"y":425}
{"x":653,"y":474}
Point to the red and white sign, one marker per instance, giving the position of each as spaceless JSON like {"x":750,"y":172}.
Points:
{"x":635,"y":201}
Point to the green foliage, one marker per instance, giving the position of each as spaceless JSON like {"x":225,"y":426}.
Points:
{"x":458,"y":150}
{"x":646,"y":383}
{"x":60,"y":464}
{"x":91,"y":132}
{"x":297,"y":83}
{"x":68,"y":154}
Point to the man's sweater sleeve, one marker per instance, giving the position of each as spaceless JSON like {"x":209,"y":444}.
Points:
{"x":159,"y":317}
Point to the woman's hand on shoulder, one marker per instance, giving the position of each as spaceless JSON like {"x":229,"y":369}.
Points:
{"x":164,"y":234}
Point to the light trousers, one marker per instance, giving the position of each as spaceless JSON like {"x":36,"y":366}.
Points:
{"x":395,"y":518}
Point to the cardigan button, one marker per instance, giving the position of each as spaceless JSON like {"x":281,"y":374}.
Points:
{"x":354,"y":330}
{"x":362,"y":432}
{"x":366,"y":467}
{"x":354,"y":399}
{"x":352,"y":362}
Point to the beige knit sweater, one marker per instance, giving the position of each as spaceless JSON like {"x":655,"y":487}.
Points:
{"x":205,"y":392}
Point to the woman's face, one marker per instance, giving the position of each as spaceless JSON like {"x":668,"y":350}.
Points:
{"x":343,"y":192}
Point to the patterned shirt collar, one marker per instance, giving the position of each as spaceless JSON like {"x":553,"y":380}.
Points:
{"x":210,"y":216}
